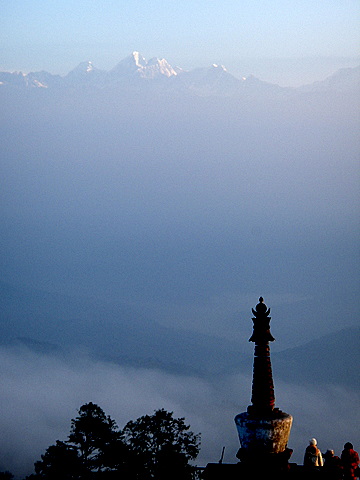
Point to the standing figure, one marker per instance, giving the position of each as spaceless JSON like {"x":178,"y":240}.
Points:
{"x":313,"y":457}
{"x":332,"y":466}
{"x":350,"y":461}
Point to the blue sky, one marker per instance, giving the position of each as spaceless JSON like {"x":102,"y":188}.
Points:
{"x":278,"y":40}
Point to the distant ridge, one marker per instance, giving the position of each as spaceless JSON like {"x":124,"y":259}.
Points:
{"x":49,"y":323}
{"x":212,"y":81}
{"x":331,"y":359}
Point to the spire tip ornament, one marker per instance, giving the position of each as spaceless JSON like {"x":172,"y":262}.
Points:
{"x":261,"y":321}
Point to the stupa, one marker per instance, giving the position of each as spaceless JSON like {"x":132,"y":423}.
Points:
{"x":263,"y":429}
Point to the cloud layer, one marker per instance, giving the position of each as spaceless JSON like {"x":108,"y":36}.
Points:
{"x":40,"y":394}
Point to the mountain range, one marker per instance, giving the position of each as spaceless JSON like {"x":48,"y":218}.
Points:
{"x":48,"y":323}
{"x":53,"y":324}
{"x":135,"y":71}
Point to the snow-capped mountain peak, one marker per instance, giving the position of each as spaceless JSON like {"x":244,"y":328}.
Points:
{"x":89,"y":67}
{"x":83,"y":68}
{"x":159,"y":66}
{"x":135,"y":71}
{"x":138,"y":59}
{"x":137,"y":64}
{"x":132,"y":63}
{"x":218,"y":67}
{"x":86,"y":73}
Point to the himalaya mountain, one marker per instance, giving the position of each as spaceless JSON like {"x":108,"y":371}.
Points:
{"x":135,"y":64}
{"x":135,"y":71}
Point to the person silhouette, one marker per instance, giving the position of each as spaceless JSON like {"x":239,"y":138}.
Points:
{"x":350,"y":462}
{"x":332,"y":465}
{"x":313,"y":457}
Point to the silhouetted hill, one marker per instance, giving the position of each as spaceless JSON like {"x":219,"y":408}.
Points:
{"x":36,"y":346}
{"x":331,"y":359}
{"x":112,"y":333}
{"x":345,"y":79}
{"x":52,"y":324}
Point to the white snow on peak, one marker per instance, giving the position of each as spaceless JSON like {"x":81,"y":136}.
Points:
{"x":83,"y":67}
{"x":39,"y":84}
{"x":220,"y":67}
{"x":136,"y":63}
{"x":159,"y":66}
{"x":140,"y":61}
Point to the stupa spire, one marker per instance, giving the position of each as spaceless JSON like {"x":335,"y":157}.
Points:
{"x":263,"y":397}
{"x":263,"y":430}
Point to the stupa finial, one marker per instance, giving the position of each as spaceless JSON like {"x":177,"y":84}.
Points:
{"x":261,"y":320}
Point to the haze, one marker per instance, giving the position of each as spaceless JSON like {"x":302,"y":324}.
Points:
{"x":186,"y":208}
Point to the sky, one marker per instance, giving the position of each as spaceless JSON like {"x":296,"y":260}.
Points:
{"x":284,"y":42}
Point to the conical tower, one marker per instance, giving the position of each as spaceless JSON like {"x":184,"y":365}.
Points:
{"x":263,"y":430}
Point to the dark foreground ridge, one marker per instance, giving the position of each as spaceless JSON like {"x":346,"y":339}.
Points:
{"x":262,"y":471}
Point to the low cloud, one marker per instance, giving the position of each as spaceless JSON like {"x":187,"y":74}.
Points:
{"x":40,"y":394}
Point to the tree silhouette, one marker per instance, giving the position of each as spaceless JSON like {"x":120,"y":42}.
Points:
{"x":6,"y":475}
{"x":158,"y":447}
{"x":163,"y":445}
{"x":60,"y":462}
{"x":96,"y":437}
